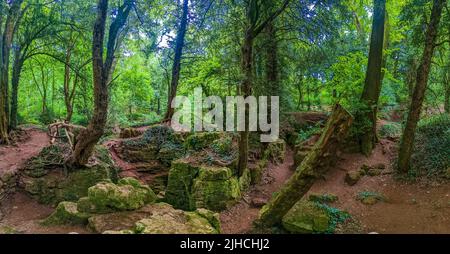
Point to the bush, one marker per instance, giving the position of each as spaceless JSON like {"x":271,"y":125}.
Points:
{"x":391,"y":130}
{"x":431,"y":148}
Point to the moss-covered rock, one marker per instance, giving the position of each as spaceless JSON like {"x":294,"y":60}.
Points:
{"x":159,"y":218}
{"x":167,"y":220}
{"x":275,"y":151}
{"x":128,"y":194}
{"x":215,"y":195}
{"x":190,"y":187}
{"x":257,"y":170}
{"x":46,"y":178}
{"x":323,"y":198}
{"x":67,"y":213}
{"x":223,"y":145}
{"x":352,"y":177}
{"x":306,"y":217}
{"x":201,"y":140}
{"x":179,"y":185}
{"x":370,"y":198}
{"x":245,"y":180}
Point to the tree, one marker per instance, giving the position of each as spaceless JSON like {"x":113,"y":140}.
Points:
{"x":5,"y":49}
{"x":255,"y":24}
{"x":102,"y":71}
{"x":372,"y":87}
{"x":407,"y":141}
{"x":179,"y":44}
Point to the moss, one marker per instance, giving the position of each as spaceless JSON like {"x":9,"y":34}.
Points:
{"x":67,"y":213}
{"x":369,"y":197}
{"x":129,"y":194}
{"x":391,"y":130}
{"x":199,"y":141}
{"x":223,"y":146}
{"x":245,"y":180}
{"x":179,"y":185}
{"x":213,"y":218}
{"x":306,"y":217}
{"x":275,"y":151}
{"x":256,"y":171}
{"x":323,"y":198}
{"x":216,"y":195}
{"x":214,"y":173}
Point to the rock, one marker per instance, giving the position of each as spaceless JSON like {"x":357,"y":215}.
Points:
{"x":56,"y":185}
{"x":323,"y":198}
{"x":306,"y":217}
{"x":120,"y":232}
{"x":275,"y":151}
{"x":258,"y":202}
{"x":447,"y":173}
{"x":157,"y":218}
{"x":128,"y":194}
{"x":245,"y":181}
{"x":352,"y":178}
{"x":179,"y":185}
{"x":67,"y":213}
{"x":257,"y":170}
{"x":370,"y":198}
{"x":190,"y":187}
{"x":129,"y":133}
{"x":216,"y":194}
{"x":201,"y":140}
{"x":374,"y":172}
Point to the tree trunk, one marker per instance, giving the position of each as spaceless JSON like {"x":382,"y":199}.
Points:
{"x":322,"y":155}
{"x":371,"y":93}
{"x":17,"y":70}
{"x":6,"y":41}
{"x":176,"y":68}
{"x":407,"y":141}
{"x":246,"y":90}
{"x":88,"y":138}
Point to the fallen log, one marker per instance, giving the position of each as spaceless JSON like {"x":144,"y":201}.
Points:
{"x":313,"y":166}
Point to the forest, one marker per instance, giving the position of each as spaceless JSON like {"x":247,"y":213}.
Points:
{"x":357,"y":93}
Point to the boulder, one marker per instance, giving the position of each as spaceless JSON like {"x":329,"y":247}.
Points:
{"x":45,"y":178}
{"x":306,"y":217}
{"x":275,"y":151}
{"x":323,"y":198}
{"x":190,"y":187}
{"x":201,"y":140}
{"x":67,"y":213}
{"x":352,"y":177}
{"x":160,"y":218}
{"x":128,"y":194}
{"x":370,"y":198}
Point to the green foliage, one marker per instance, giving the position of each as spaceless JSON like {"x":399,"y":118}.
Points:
{"x":431,"y":150}
{"x":391,"y":130}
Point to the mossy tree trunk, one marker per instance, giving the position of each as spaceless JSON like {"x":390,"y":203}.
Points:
{"x":102,"y":69}
{"x":367,"y":119}
{"x":314,"y":165}
{"x":407,"y":141}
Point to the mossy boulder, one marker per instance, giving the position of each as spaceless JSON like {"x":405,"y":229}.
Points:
{"x":159,"y":218}
{"x":215,"y":194}
{"x":245,"y":180}
{"x":223,"y":145}
{"x":128,"y":194}
{"x":190,"y":186}
{"x":353,"y":177}
{"x":370,"y":198}
{"x":46,"y":179}
{"x":158,"y":143}
{"x":67,"y":213}
{"x":275,"y":151}
{"x":257,"y":170}
{"x":323,"y":198}
{"x":306,"y":217}
{"x":179,"y":185}
{"x":201,"y":140}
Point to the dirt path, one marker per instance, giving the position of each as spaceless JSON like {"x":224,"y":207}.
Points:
{"x":12,"y":156}
{"x":420,"y":207}
{"x":239,"y":218}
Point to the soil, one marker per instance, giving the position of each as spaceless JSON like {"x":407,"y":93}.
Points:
{"x":422,"y":206}
{"x":239,"y":218}
{"x":12,"y":156}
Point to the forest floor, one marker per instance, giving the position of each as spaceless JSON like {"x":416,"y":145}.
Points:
{"x":422,"y":206}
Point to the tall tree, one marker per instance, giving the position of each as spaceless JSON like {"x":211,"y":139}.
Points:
{"x":372,"y":87}
{"x":5,"y":49}
{"x":176,"y":68}
{"x":255,"y":24}
{"x":102,"y":69}
{"x":407,"y":141}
